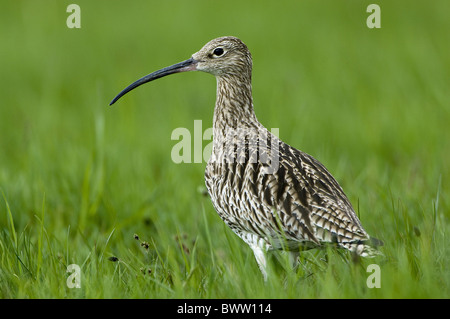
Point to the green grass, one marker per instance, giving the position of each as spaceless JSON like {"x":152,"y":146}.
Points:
{"x":80,"y":179}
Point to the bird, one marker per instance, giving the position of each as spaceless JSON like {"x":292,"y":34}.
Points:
{"x":272,"y":195}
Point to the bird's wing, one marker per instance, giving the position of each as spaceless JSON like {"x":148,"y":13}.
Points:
{"x":298,"y":201}
{"x":305,"y":200}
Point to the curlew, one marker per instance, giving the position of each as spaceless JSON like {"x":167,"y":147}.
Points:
{"x":270,"y":194}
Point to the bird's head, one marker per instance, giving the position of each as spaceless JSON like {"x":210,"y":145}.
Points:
{"x":222,"y":57}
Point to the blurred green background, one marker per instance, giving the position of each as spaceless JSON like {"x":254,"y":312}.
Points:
{"x":79,"y":178}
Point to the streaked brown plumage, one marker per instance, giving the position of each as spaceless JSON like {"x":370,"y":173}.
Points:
{"x":270,"y":194}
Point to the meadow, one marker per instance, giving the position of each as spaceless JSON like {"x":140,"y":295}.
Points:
{"x":95,"y":186}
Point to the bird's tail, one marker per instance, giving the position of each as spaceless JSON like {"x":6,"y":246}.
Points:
{"x":366,"y":248}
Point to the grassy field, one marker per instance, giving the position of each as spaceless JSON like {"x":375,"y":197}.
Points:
{"x":79,"y":180}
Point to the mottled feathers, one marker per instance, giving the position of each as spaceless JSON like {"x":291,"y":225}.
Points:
{"x":270,"y":194}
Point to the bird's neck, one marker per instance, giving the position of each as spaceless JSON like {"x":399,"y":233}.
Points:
{"x":234,"y":105}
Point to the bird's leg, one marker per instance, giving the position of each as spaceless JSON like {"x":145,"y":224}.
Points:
{"x":293,"y":259}
{"x":260,"y":259}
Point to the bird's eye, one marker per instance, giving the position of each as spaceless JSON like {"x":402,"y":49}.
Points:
{"x":218,"y":51}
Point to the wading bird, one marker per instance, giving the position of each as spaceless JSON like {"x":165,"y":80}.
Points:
{"x":270,"y":194}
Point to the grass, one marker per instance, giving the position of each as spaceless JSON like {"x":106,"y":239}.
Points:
{"x":79,"y":179}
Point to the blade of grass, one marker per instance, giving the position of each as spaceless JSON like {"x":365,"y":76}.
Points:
{"x":208,"y":236}
{"x":11,"y":222}
{"x":41,"y":233}
{"x":106,"y":244}
{"x":13,"y":231}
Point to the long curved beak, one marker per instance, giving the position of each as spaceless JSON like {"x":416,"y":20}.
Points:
{"x":188,"y":65}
